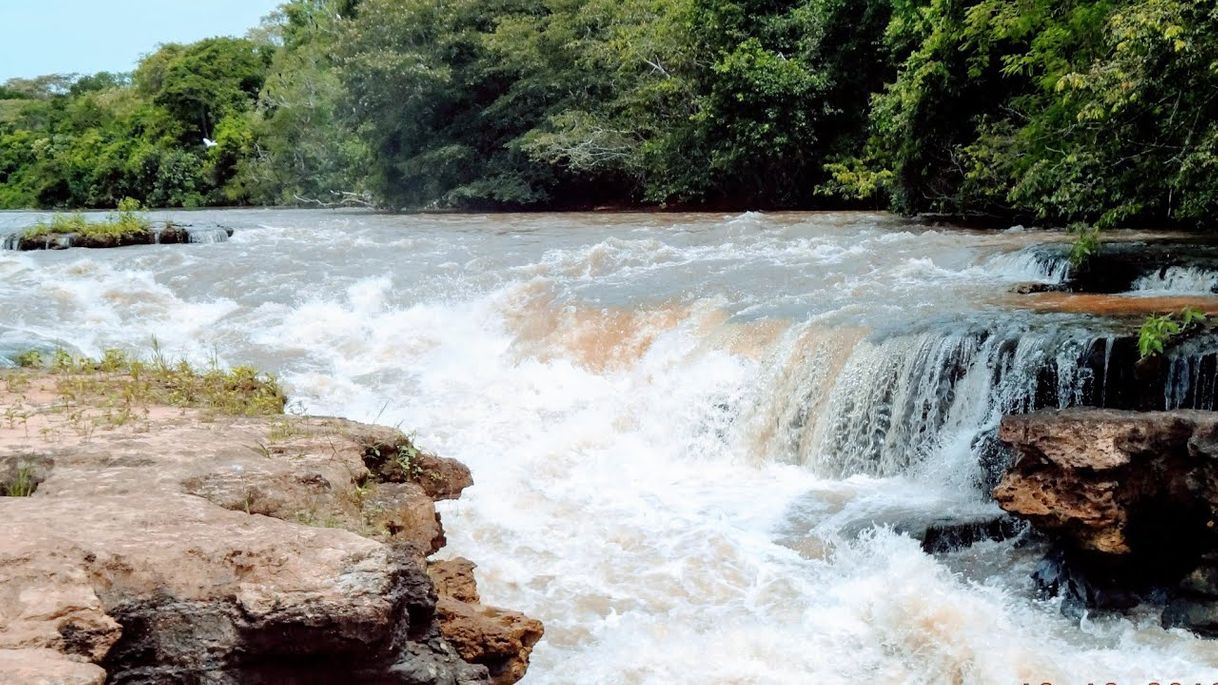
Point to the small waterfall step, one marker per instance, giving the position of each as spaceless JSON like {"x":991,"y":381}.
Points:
{"x":1177,"y":265}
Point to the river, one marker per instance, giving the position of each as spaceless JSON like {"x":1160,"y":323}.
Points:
{"x":700,"y":441}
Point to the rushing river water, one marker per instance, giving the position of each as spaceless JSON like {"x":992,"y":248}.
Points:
{"x":698,"y":440}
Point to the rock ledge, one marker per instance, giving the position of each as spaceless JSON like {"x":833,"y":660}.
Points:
{"x":1131,"y":501}
{"x":172,"y":545}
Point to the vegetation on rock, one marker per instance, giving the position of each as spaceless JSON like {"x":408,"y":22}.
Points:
{"x":1157,"y":331}
{"x":125,"y":227}
{"x":125,"y":382}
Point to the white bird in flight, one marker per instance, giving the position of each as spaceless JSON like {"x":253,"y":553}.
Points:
{"x":209,"y":143}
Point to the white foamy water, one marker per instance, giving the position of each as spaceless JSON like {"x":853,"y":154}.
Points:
{"x":1178,"y":280}
{"x":695,"y":437}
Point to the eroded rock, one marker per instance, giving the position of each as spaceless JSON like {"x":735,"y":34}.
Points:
{"x":183,"y":547}
{"x":1103,"y":477}
{"x":498,"y":639}
{"x":1129,"y":498}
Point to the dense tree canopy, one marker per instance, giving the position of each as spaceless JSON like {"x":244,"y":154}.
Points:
{"x":1060,"y":111}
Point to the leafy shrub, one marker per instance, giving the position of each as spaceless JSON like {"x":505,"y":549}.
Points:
{"x":1158,"y":330}
{"x":1086,"y":244}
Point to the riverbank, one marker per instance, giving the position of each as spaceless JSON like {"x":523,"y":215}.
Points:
{"x":165,"y":526}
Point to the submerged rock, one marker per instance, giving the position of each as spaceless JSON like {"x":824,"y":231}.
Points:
{"x":500,"y":640}
{"x":175,"y":545}
{"x":948,"y":536}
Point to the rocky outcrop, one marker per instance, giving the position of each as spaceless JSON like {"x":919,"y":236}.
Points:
{"x":1130,"y":498}
{"x":175,"y":545}
{"x":500,"y":640}
{"x":1120,"y":263}
{"x":168,"y":234}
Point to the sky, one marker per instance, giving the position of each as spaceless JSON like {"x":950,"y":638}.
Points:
{"x":85,"y":36}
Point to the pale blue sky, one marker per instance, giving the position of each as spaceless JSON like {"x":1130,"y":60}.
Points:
{"x":64,"y":36}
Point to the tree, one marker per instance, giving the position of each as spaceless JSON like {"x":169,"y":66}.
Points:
{"x":200,"y":84}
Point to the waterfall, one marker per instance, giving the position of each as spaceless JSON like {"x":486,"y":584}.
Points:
{"x":848,"y":402}
{"x":1178,"y":279}
{"x":209,"y":235}
{"x":1040,"y":264}
{"x":894,"y":401}
{"x":1191,"y":377}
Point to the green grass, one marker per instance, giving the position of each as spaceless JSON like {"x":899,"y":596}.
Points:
{"x":121,"y":382}
{"x":123,"y":226}
{"x":114,"y":230}
{"x":21,"y":486}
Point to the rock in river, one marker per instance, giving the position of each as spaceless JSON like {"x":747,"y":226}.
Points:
{"x":1130,"y":498}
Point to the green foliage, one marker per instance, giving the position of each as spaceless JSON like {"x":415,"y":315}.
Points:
{"x":199,"y":84}
{"x":127,"y":223}
{"x":22,"y":485}
{"x":1093,"y":111}
{"x":1157,"y":331}
{"x":1086,"y":244}
{"x":127,"y":380}
{"x":58,"y":224}
{"x":29,"y":359}
{"x":90,"y":141}
{"x":490,"y":103}
{"x":1088,"y":110}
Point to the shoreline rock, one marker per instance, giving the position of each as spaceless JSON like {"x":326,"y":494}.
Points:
{"x":176,"y":545}
{"x":1130,"y":500}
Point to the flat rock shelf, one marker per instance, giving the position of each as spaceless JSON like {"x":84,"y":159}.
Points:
{"x":164,"y":544}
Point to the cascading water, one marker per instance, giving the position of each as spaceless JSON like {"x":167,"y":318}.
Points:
{"x":694,"y":437}
{"x":896,"y":401}
{"x":1178,"y":280}
{"x":207,"y":235}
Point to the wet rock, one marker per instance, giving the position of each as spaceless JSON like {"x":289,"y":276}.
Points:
{"x":1086,"y":583}
{"x":1108,"y":480}
{"x":1198,"y":615}
{"x":67,"y":240}
{"x":1134,"y":308}
{"x":1130,"y":498}
{"x":498,"y":639}
{"x":1203,"y":579}
{"x":405,"y":512}
{"x":185,"y":547}
{"x":169,"y":234}
{"x":1117,"y":265}
{"x":455,"y":578}
{"x":393,"y":458}
{"x":435,"y":662}
{"x":953,"y":535}
{"x":1031,"y":288}
{"x":173,"y":234}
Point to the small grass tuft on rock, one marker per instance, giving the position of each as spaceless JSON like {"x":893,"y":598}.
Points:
{"x":127,"y":226}
{"x":126,"y":381}
{"x":22,"y":485}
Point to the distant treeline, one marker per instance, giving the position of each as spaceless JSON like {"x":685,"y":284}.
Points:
{"x":1049,"y":110}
